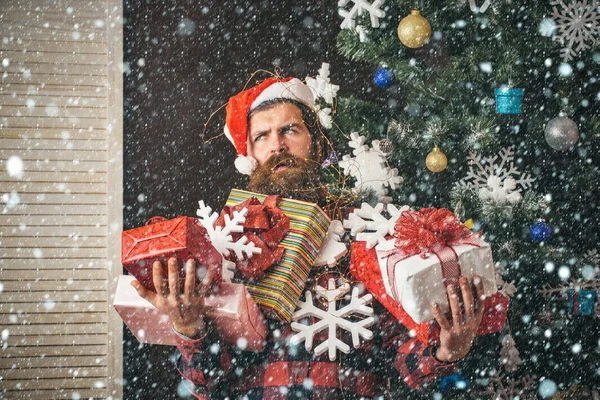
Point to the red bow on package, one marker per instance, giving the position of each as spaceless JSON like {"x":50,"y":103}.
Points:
{"x":265,"y":226}
{"x":422,"y":231}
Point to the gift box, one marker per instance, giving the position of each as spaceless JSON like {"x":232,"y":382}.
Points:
{"x":161,"y":239}
{"x":417,"y":281}
{"x":509,"y":100}
{"x":581,"y":302}
{"x":283,"y":283}
{"x":364,"y":267}
{"x":231,"y":310}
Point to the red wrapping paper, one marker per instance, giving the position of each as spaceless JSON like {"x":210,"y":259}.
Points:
{"x":364,"y":266}
{"x":265,"y":226}
{"x":182,"y":237}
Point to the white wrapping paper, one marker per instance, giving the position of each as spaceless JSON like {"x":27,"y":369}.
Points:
{"x":418,"y":281}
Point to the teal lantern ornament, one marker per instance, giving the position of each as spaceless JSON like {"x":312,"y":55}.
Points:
{"x":509,"y":100}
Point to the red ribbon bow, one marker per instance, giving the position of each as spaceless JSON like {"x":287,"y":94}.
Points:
{"x":265,"y":226}
{"x":428,"y":229}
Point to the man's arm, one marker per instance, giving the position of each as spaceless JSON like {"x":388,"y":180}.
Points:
{"x":417,"y":363}
{"x":203,"y":361}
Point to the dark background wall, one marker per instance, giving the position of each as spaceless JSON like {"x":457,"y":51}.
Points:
{"x":184,"y":59}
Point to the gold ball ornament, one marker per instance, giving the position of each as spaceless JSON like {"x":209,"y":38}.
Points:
{"x":436,"y":161}
{"x":414,"y":30}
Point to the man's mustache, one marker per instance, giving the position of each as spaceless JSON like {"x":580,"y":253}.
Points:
{"x":282,"y":159}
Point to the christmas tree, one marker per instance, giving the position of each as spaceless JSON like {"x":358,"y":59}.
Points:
{"x":493,"y":111}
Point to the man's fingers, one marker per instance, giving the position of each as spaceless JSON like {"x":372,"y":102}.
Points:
{"x":143,"y":292}
{"x":467,"y":296}
{"x":174,"y":276}
{"x":480,"y":296}
{"x":157,"y":278}
{"x":207,"y":281}
{"x":190,"y":281}
{"x":439,"y":317}
{"x":457,"y":314}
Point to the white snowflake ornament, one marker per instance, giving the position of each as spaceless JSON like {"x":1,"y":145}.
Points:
{"x":578,"y":24}
{"x":494,"y":178}
{"x":333,"y":248}
{"x":358,"y":8}
{"x":332,"y":319}
{"x":321,"y":86}
{"x":222,"y":239}
{"x":369,"y":225}
{"x":369,"y":167}
{"x":483,"y":8}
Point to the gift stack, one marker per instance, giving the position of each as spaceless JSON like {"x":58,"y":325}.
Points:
{"x":411,"y":266}
{"x":278,"y":291}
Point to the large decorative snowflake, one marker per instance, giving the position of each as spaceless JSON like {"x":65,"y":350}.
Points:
{"x":222,"y":239}
{"x":578,"y":24}
{"x":371,"y":219}
{"x":358,"y":8}
{"x":369,"y":167}
{"x":333,"y":248}
{"x":322,"y":88}
{"x":494,"y":178}
{"x":332,"y":319}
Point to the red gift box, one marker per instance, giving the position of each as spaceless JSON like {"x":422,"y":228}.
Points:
{"x":161,"y":239}
{"x":364,"y":266}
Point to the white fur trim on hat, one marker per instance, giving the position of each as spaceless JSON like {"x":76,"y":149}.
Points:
{"x":293,"y":89}
{"x":228,"y":134}
{"x":245,"y":164}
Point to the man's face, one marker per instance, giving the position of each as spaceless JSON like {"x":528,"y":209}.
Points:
{"x":278,"y":129}
{"x":281,"y":143}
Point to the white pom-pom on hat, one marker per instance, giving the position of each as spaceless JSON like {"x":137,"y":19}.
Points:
{"x":245,"y":164}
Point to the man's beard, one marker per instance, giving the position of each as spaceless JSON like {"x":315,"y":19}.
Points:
{"x":300,"y":181}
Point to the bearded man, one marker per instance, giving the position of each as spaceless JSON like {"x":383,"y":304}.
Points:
{"x":280,"y":145}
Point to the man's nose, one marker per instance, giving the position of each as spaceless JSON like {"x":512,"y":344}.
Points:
{"x":278,"y":145}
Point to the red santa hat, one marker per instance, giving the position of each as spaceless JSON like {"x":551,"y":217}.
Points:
{"x":236,"y":120}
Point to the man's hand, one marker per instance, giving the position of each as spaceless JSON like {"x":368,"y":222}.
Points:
{"x":184,"y":311}
{"x":457,"y":337}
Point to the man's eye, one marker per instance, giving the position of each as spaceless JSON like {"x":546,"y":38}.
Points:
{"x":258,"y":138}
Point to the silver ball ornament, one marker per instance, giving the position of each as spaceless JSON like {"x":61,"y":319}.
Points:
{"x":561,"y":133}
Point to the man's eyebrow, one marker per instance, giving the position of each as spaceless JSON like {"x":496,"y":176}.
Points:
{"x":288,"y":126}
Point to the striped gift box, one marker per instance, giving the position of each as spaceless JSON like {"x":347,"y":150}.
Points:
{"x":281,"y":287}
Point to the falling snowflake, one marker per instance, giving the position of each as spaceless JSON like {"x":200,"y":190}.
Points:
{"x":578,"y":24}
{"x":496,"y":181}
{"x":322,"y":88}
{"x":358,"y":8}
{"x":332,"y":319}
{"x":369,"y":167}
{"x":368,"y":218}
{"x":222,"y":239}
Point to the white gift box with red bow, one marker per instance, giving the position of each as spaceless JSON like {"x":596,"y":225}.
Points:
{"x":417,"y":281}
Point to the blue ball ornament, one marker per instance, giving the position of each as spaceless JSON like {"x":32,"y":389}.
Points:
{"x":384,"y":77}
{"x":540,"y":231}
{"x":454,"y":382}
